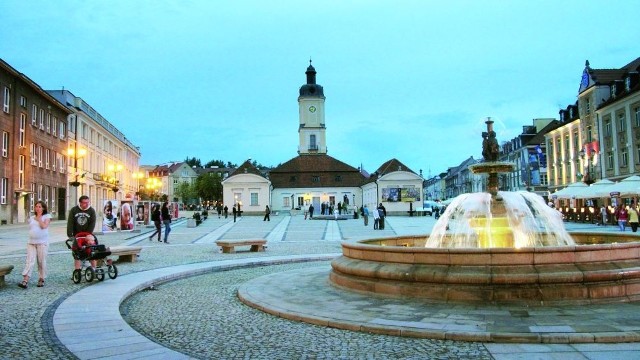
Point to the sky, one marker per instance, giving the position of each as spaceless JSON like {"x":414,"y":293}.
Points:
{"x":411,"y":80}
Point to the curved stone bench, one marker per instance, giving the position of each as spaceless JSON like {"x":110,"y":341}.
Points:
{"x":93,"y":329}
{"x":4,"y":270}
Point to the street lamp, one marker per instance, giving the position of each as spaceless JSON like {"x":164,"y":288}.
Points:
{"x":115,"y":169}
{"x":76,"y":153}
{"x":588,"y":159}
{"x":137,"y":175}
{"x":153,"y":185}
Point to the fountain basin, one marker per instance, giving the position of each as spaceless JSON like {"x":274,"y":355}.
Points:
{"x":601,"y":268}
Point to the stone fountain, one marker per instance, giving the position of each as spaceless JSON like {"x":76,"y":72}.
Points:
{"x":495,"y":247}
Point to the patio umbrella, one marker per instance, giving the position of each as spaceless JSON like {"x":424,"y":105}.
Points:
{"x":627,"y":187}
{"x":570,"y":191}
{"x":596,"y":190}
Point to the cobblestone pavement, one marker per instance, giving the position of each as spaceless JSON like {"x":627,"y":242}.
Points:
{"x":26,"y":315}
{"x":207,"y":321}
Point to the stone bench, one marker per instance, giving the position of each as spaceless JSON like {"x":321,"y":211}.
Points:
{"x":126,"y":253}
{"x":228,"y":246}
{"x":4,"y":270}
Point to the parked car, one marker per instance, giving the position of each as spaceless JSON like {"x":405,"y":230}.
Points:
{"x":430,"y":206}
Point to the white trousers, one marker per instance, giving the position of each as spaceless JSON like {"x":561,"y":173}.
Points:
{"x":38,"y":252}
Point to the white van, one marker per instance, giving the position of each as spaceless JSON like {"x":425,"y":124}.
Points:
{"x":430,"y":206}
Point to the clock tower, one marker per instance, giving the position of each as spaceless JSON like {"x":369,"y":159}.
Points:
{"x":311,"y":112}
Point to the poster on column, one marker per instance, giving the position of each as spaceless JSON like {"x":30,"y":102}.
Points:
{"x":142,"y":213}
{"x":110,"y":216}
{"x":173,"y":210}
{"x":127,"y":222}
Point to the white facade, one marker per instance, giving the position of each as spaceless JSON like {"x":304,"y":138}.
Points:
{"x":251,"y":191}
{"x":372,"y":192}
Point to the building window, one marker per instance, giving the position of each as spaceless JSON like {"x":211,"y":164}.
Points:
{"x":40,"y":156}
{"x":627,"y":83}
{"x":607,"y":127}
{"x":5,"y":103}
{"x":52,"y":208}
{"x":286,"y":202}
{"x":21,"y":161}
{"x":254,"y":199}
{"x":34,"y":115}
{"x":315,"y":178}
{"x":338,"y":178}
{"x":4,"y":189}
{"x":32,"y":197}
{"x":23,"y":102}
{"x":49,"y":123}
{"x":589,"y":134}
{"x":32,"y":153}
{"x":54,"y":159}
{"x":292,"y":178}
{"x":637,"y":116}
{"x":621,"y":122}
{"x":5,"y":144}
{"x":46,"y":158}
{"x":23,"y":125}
{"x":624,"y":157}
{"x":54,"y":126}
{"x":41,"y":119}
{"x":588,"y":106}
{"x":610,"y":160}
{"x":85,"y":131}
{"x":62,"y":130}
{"x":312,"y":142}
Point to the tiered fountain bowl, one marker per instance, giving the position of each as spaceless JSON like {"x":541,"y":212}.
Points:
{"x":496,"y":247}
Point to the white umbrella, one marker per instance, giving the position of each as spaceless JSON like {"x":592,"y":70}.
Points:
{"x":596,"y":190}
{"x":570,"y":191}
{"x":627,"y":187}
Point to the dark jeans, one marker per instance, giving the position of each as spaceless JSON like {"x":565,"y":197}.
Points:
{"x":167,"y":229}
{"x":381,"y":223}
{"x":158,"y":231}
{"x":634,"y":226}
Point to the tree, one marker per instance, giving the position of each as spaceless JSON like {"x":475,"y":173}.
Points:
{"x":193,"y":162}
{"x":186,"y":192}
{"x":209,"y":186}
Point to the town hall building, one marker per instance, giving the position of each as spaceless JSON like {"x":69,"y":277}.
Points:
{"x":313,"y":177}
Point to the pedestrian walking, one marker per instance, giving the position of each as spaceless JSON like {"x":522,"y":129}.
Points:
{"x":622,"y":215}
{"x":226,"y":212}
{"x":603,"y":215}
{"x":382,"y":212}
{"x":235,"y":213}
{"x":155,"y":217}
{"x":166,"y":220}
{"x":267,"y":212}
{"x":365,"y":215}
{"x":38,"y":245}
{"x":82,"y":218}
{"x":376,"y":219}
{"x":633,"y":217}
{"x":311,"y":211}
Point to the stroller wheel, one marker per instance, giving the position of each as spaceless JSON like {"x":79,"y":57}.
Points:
{"x":112,"y":270}
{"x":100,"y":274}
{"x":89,"y":274}
{"x":76,"y":276}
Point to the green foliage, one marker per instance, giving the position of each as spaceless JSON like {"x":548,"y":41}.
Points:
{"x":193,"y":162}
{"x":209,"y":187}
{"x":186,"y":193}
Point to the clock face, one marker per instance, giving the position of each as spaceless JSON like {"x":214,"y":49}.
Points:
{"x":585,"y":79}
{"x":312,"y":108}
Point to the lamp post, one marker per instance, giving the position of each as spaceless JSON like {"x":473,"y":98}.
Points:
{"x":588,"y":159}
{"x":153,"y":185}
{"x":137,"y":175}
{"x":77,"y":153}
{"x":115,"y":169}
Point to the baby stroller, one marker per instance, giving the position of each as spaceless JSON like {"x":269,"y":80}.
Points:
{"x":81,"y":250}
